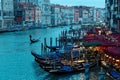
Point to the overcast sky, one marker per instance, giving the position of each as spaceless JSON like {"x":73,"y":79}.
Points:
{"x":96,"y":3}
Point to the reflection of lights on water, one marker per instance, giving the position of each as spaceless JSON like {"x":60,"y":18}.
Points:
{"x":82,"y":77}
{"x":92,"y":77}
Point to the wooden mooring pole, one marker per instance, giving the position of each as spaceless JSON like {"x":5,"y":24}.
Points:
{"x":45,"y":49}
{"x":41,"y":47}
{"x":51,"y":42}
{"x":56,"y":41}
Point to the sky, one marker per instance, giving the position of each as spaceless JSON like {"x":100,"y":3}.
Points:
{"x":95,"y":3}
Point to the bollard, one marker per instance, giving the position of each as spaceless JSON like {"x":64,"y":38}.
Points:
{"x":87,"y":70}
{"x":101,"y":73}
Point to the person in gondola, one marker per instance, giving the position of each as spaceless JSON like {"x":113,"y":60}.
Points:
{"x":33,"y":40}
{"x":30,"y":37}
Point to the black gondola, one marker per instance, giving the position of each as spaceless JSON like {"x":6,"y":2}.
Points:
{"x":55,"y":64}
{"x":33,"y":40}
{"x":113,"y":74}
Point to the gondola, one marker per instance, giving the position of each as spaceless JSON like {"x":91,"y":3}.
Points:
{"x":61,"y":69}
{"x":43,"y":59}
{"x":33,"y":40}
{"x":113,"y":74}
{"x":56,"y":65}
{"x":53,"y":48}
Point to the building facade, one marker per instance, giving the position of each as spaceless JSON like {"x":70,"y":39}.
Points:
{"x":87,"y":14}
{"x":67,"y":15}
{"x":76,"y":15}
{"x":56,"y":16}
{"x":100,"y":16}
{"x":70,"y":15}
{"x":113,"y":14}
{"x":38,"y":17}
{"x":45,"y":12}
{"x":27,"y":13}
{"x":61,"y":15}
{"x":7,"y":13}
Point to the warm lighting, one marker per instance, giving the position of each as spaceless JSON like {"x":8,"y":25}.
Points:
{"x":83,"y":47}
{"x":90,"y":47}
{"x":117,"y":60}
{"x":116,"y":64}
{"x":108,"y":32}
{"x":113,"y":58}
{"x":80,"y":61}
{"x":105,"y":26}
{"x":99,"y":32}
{"x":106,"y":55}
{"x":110,"y":57}
{"x":104,"y":63}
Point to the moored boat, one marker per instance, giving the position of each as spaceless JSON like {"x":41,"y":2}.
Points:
{"x":113,"y":74}
{"x":54,"y":63}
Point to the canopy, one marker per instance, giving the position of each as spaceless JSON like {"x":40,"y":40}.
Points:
{"x":108,"y":43}
{"x":99,"y":38}
{"x":114,"y":52}
{"x":88,"y":44}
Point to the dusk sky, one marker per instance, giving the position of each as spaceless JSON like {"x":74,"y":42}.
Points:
{"x":96,"y":3}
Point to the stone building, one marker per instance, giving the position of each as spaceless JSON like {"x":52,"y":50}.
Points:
{"x":27,"y":13}
{"x":45,"y":12}
{"x":7,"y":13}
{"x":61,"y":15}
{"x":113,"y":14}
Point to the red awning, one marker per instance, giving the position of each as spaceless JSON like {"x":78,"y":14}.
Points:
{"x":114,"y":52}
{"x":108,"y":43}
{"x":97,"y":38}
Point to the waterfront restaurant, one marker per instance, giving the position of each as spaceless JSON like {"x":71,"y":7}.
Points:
{"x":111,"y":57}
{"x":109,"y":48}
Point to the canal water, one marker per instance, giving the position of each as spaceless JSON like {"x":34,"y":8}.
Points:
{"x":17,"y":63}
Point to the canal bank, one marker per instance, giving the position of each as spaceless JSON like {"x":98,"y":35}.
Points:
{"x":22,"y":28}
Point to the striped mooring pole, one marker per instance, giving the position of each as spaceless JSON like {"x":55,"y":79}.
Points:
{"x":101,"y":73}
{"x":87,"y":70}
